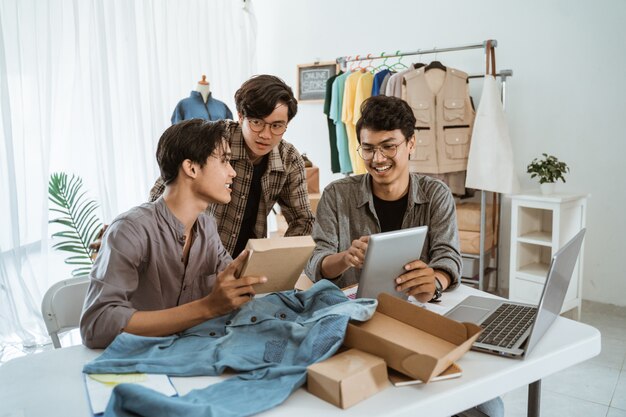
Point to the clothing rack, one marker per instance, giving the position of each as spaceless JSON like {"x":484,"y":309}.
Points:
{"x":503,"y":74}
{"x":343,"y":60}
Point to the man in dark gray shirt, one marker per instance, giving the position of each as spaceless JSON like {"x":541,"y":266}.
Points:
{"x":388,"y":197}
{"x":162,"y":267}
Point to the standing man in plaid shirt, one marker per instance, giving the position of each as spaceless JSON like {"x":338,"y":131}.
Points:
{"x":269,"y":169}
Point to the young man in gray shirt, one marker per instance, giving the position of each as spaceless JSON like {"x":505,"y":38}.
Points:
{"x":162,"y":267}
{"x":389,"y":197}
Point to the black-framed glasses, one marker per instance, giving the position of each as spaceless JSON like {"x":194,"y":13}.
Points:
{"x":388,"y":150}
{"x":257,"y":125}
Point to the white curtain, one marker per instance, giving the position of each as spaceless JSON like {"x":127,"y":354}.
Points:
{"x":87,"y":87}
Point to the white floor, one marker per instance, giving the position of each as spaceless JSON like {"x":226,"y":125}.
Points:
{"x":596,"y":388}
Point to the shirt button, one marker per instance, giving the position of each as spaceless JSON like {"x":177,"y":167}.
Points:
{"x":283,"y":316}
{"x":253,"y":319}
{"x":228,"y":322}
{"x":212,"y":334}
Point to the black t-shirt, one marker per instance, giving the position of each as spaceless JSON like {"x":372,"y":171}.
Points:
{"x":252,"y":208}
{"x":390,"y":213}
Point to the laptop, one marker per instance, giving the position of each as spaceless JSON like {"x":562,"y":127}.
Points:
{"x":386,"y":255}
{"x":513,"y":329}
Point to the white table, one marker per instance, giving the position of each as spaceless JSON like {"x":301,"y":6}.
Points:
{"x":50,"y":383}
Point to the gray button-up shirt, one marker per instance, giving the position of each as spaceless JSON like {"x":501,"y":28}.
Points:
{"x":346,"y":212}
{"x":140,"y":267}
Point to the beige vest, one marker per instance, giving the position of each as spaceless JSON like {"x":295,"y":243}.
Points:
{"x":444,"y":122}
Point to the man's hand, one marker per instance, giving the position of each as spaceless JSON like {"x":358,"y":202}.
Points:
{"x":354,"y":256}
{"x":230,"y":292}
{"x":418,"y":281}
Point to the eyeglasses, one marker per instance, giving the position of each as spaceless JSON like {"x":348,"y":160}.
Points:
{"x":388,"y":150}
{"x":258,"y":125}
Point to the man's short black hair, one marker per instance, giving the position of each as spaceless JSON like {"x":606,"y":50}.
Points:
{"x":384,"y":113}
{"x":193,"y":139}
{"x":259,"y":96}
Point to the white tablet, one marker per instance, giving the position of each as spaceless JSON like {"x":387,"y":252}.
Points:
{"x":386,"y":255}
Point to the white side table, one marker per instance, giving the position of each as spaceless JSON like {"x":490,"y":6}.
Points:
{"x":540,"y":225}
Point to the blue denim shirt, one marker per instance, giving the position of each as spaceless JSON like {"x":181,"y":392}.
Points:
{"x":194,"y":107}
{"x":271,"y":340}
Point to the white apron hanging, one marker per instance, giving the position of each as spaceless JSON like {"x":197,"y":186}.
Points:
{"x":490,"y":161}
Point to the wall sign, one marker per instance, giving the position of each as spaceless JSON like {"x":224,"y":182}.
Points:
{"x":312,"y":80}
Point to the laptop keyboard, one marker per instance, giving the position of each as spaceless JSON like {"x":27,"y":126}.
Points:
{"x":506,"y":325}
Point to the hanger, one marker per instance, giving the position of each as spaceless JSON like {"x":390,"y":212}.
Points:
{"x":399,"y":64}
{"x":435,"y":65}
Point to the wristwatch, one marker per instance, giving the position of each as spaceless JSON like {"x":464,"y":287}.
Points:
{"x":438,"y":291}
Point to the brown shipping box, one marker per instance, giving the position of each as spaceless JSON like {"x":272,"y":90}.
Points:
{"x":314,"y":199}
{"x":280,"y":259}
{"x":412,"y":340}
{"x":347,"y":378}
{"x":470,"y":241}
{"x":468,"y":217}
{"x":313,"y":180}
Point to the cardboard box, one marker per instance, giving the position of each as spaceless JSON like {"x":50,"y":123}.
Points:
{"x":303,"y":283}
{"x":468,"y":217}
{"x":313,"y":179}
{"x":280,"y":259}
{"x":470,"y":241}
{"x":412,"y":340}
{"x":347,"y":378}
{"x":314,"y":199}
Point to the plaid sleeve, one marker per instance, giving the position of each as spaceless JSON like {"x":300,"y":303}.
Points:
{"x":157,"y":189}
{"x":294,"y":198}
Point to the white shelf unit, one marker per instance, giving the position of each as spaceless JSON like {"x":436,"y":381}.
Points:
{"x":540,"y":225}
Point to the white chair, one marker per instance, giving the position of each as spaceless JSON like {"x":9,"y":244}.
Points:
{"x":62,"y":305}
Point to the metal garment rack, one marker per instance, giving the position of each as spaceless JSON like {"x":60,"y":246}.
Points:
{"x":503,"y":75}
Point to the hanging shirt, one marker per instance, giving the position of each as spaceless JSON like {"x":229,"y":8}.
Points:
{"x":332,"y":132}
{"x":336,"y":106}
{"x":194,"y":107}
{"x":394,"y":85}
{"x":363,"y":92}
{"x":383,"y":84}
{"x":271,"y":340}
{"x":378,"y":80}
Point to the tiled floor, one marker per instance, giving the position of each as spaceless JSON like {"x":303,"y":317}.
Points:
{"x":595,"y":388}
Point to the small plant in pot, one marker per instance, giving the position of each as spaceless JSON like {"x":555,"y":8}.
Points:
{"x":549,"y":170}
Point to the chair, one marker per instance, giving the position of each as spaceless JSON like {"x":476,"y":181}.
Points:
{"x":62,"y":306}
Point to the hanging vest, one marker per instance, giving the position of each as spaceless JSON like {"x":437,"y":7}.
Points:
{"x":444,"y":122}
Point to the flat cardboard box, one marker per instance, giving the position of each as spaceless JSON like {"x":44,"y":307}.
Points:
{"x":470,"y":241}
{"x":412,"y":340}
{"x":280,"y":259}
{"x":347,"y":378}
{"x":401,"y":380}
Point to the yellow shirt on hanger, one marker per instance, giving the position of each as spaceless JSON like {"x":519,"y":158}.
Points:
{"x":355,"y":92}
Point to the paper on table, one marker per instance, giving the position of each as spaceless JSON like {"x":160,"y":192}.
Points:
{"x":100,"y":386}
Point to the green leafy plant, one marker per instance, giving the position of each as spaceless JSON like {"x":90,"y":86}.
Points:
{"x":77,"y":218}
{"x":548,"y":169}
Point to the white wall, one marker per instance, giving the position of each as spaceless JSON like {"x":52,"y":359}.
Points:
{"x":567,"y":96}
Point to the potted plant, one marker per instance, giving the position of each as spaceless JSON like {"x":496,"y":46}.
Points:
{"x":78,"y":220}
{"x":549,"y":170}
